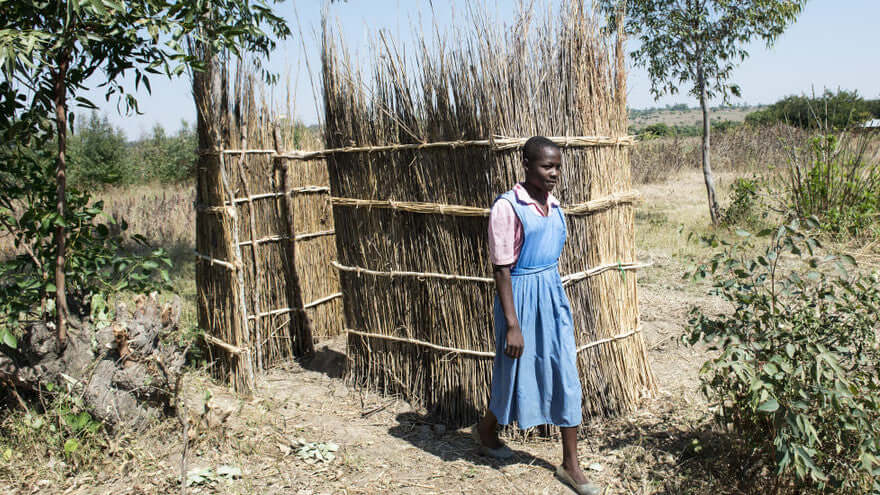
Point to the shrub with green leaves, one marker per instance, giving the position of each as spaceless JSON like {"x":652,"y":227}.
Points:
{"x":63,"y":429}
{"x":796,"y":377}
{"x":96,"y":263}
{"x":836,"y":179}
{"x":746,"y":208}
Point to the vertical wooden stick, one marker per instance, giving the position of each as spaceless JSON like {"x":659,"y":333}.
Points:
{"x":242,"y":339}
{"x":256,"y":269}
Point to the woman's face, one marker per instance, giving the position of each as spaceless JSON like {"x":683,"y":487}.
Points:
{"x":542,"y":170}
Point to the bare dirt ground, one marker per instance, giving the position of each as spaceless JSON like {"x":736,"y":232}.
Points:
{"x":266,"y":444}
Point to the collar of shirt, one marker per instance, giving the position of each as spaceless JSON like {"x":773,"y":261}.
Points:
{"x":522,"y":195}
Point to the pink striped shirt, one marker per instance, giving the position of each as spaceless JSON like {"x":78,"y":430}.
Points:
{"x":505,"y":229}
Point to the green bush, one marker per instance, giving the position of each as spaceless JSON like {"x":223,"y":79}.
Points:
{"x":796,"y":377}
{"x":746,"y":209}
{"x":164,"y":158}
{"x":62,"y":429}
{"x":96,"y":262}
{"x":659,"y":130}
{"x":835,"y":179}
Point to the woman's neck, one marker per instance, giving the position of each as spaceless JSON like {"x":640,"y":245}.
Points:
{"x":536,"y":193}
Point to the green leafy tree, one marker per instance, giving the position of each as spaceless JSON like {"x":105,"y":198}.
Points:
{"x":698,"y":43}
{"x":50,"y":48}
{"x":165,"y":158}
{"x":98,"y":153}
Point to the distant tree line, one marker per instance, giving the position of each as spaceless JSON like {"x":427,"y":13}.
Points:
{"x":101,"y":155}
{"x":665,"y":130}
{"x":680,"y":107}
{"x":838,"y":110}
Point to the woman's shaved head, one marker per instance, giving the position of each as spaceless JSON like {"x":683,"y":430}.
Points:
{"x":535,"y":145}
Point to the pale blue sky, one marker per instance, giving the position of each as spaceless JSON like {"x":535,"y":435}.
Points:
{"x":833,"y":44}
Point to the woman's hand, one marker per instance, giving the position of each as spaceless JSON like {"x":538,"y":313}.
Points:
{"x":515,"y":342}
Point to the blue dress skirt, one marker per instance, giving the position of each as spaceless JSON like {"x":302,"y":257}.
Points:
{"x":542,"y":386}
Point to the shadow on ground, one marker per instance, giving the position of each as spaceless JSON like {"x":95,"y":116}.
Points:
{"x":451,"y":445}
{"x":326,"y":360}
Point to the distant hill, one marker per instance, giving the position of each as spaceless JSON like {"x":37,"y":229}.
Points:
{"x":681,"y":115}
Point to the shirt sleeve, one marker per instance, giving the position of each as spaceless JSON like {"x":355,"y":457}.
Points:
{"x":504,"y":225}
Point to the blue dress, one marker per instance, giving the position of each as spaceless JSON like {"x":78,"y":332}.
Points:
{"x":542,"y":386}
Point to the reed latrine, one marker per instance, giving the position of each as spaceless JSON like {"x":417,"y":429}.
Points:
{"x":423,"y":146}
{"x":265,"y":235}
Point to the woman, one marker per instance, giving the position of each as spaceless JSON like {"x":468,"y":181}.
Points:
{"x":535,"y":378}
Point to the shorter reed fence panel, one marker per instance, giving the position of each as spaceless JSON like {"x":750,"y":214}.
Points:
{"x":265,"y":241}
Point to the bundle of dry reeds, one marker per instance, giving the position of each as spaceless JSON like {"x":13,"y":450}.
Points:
{"x":265,"y":235}
{"x":429,"y":337}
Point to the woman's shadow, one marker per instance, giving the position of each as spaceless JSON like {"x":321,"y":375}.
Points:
{"x":425,"y":432}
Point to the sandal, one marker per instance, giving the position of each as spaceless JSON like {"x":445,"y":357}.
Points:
{"x":580,"y":488}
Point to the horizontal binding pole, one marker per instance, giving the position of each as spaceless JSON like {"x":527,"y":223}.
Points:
{"x":239,"y":152}
{"x":323,"y":300}
{"x":215,"y":261}
{"x":278,"y":238}
{"x":579,"y":209}
{"x":592,"y":272}
{"x":497,"y":143}
{"x":619,"y":336}
{"x":281,"y":311}
{"x":422,"y":343}
{"x":481,"y":354}
{"x":566,"y":280}
{"x":312,"y":235}
{"x":444,"y":276}
{"x":214,"y":209}
{"x":296,"y":190}
{"x":603,"y":203}
{"x":223,"y":345}
{"x":413,"y":207}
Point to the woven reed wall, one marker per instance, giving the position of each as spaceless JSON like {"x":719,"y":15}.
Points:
{"x":430,"y":339}
{"x":265,"y":235}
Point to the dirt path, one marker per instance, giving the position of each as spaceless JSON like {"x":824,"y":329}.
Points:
{"x":386,"y":446}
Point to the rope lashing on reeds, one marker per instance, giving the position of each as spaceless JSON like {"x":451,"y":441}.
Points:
{"x":566,"y":280}
{"x":316,"y":302}
{"x":497,"y":143}
{"x":586,"y":208}
{"x":481,"y":354}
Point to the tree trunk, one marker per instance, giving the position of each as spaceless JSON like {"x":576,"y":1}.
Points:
{"x":60,"y":91}
{"x":707,"y":168}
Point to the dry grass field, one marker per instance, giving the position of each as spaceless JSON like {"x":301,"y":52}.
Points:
{"x":267,"y":443}
{"x":689,"y":117}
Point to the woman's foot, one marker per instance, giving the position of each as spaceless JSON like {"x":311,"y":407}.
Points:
{"x":488,"y":431}
{"x":499,"y":451}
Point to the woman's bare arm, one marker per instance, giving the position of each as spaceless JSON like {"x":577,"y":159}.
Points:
{"x":514,"y":344}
